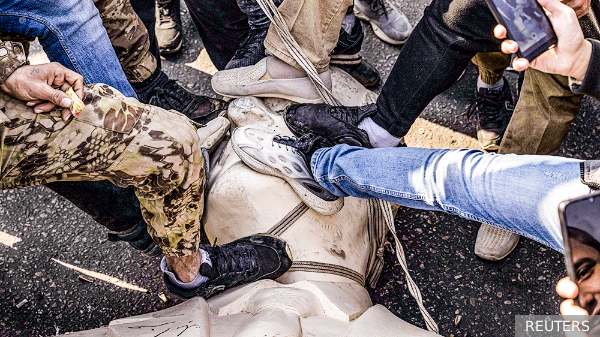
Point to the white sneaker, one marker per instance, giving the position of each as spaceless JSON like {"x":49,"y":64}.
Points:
{"x":275,"y":155}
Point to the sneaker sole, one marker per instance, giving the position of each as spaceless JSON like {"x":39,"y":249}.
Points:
{"x":171,"y":51}
{"x":317,"y":204}
{"x":492,"y":147}
{"x":380,"y":34}
{"x":276,"y":95}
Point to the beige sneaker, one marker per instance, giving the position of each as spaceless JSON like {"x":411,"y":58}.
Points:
{"x":493,"y":243}
{"x":246,"y":81}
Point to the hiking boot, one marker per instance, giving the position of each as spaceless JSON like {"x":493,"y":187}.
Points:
{"x":138,"y":238}
{"x":335,"y":124}
{"x":389,"y":24}
{"x":494,"y":109}
{"x":168,"y":26}
{"x":280,"y":156}
{"x":200,"y":109}
{"x":245,"y":260}
{"x":246,"y":81}
{"x":250,"y":51}
{"x":494,"y":243}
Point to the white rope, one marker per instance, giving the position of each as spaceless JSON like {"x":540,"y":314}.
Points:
{"x":297,"y":53}
{"x":412,"y":286}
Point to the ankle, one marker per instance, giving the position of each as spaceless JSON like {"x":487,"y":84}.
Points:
{"x":277,"y":69}
{"x":489,"y":84}
{"x":186,"y":268}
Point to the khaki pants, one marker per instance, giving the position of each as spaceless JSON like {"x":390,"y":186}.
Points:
{"x":315,"y":24}
{"x":117,"y":139}
{"x":543,"y":115}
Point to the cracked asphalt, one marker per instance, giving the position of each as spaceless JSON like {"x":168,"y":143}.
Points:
{"x":40,"y":297}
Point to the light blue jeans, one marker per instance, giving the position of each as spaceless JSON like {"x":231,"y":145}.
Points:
{"x":72,"y":34}
{"x":517,"y":193}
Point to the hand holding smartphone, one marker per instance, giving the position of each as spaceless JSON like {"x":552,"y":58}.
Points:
{"x":580,"y":222}
{"x":527,"y":24}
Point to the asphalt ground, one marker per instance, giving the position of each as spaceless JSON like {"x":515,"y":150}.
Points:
{"x":40,"y":297}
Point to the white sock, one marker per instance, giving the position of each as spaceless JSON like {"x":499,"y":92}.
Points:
{"x":196,"y":282}
{"x":496,"y":86}
{"x":378,"y":136}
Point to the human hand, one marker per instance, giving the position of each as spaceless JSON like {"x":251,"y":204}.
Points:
{"x":581,"y":7}
{"x":572,"y":54}
{"x":42,"y":86}
{"x":568,"y":289}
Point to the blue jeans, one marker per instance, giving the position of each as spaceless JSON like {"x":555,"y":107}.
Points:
{"x":517,"y":193}
{"x":72,"y":34}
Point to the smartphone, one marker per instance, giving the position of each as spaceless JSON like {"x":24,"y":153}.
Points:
{"x":580,"y":222}
{"x":527,"y":24}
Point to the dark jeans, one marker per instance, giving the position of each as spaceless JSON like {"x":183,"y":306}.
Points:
{"x":222,"y":27}
{"x":450,"y":33}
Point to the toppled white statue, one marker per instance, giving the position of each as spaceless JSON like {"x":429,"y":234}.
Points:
{"x":334,"y":256}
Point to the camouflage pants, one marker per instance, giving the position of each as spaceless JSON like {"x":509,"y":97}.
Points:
{"x":129,"y":38}
{"x":118,"y":139}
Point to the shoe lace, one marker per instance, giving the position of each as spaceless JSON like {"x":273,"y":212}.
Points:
{"x":380,"y":7}
{"x":345,"y":114}
{"x":489,"y":108}
{"x":172,"y":96}
{"x":239,"y":259}
{"x":288,"y":142}
{"x":164,"y":12}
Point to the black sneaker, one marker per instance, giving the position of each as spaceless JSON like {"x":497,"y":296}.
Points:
{"x":250,"y":51}
{"x":494,"y":109}
{"x":242,"y":261}
{"x":335,"y":124}
{"x":200,"y":109}
{"x":138,"y":238}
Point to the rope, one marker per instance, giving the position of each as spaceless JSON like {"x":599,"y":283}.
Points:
{"x":334,"y":269}
{"x":412,"y":286}
{"x":288,"y":220}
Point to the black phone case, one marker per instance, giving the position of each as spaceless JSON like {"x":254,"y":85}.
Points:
{"x":532,"y":55}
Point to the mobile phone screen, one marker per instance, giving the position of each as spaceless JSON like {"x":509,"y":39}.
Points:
{"x":526,"y":23}
{"x":581,"y":228}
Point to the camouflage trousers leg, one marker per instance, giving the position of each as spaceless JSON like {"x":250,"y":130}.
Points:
{"x":117,"y":139}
